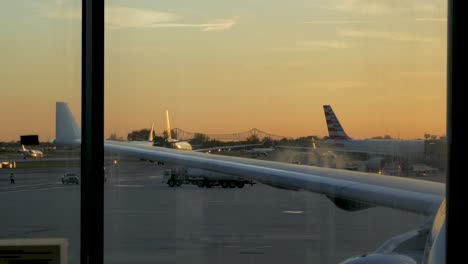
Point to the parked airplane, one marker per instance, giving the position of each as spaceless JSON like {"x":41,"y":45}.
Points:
{"x":31,"y":153}
{"x":348,"y":190}
{"x":174,"y":143}
{"x":410,"y":150}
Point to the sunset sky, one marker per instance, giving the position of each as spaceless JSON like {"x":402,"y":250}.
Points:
{"x":229,"y":66}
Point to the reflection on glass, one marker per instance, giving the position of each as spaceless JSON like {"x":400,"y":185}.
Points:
{"x":270,"y":73}
{"x":241,"y":79}
{"x":40,"y":64}
{"x":268,"y":68}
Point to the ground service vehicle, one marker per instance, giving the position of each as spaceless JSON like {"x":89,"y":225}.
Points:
{"x":71,"y":177}
{"x":202,"y":178}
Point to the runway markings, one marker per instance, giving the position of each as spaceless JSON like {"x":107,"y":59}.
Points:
{"x":252,"y":252}
{"x":293,"y":212}
{"x":15,"y":185}
{"x":135,"y":212}
{"x":32,"y":190}
{"x":30,"y":187}
{"x":260,"y":247}
{"x":129,"y":185}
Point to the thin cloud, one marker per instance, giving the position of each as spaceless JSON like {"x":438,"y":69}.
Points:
{"x":431,"y":19}
{"x":217,"y":26}
{"x":339,"y":22}
{"x":126,"y":17}
{"x":323,"y":44}
{"x":395,"y":36}
{"x":422,"y":74}
{"x":64,"y":13}
{"x":428,"y":8}
{"x":378,"y":8}
{"x":338,"y":86}
{"x":364,"y":7}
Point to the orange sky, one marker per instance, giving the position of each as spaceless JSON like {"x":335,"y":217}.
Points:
{"x":233,"y":66}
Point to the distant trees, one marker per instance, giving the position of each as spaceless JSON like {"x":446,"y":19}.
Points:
{"x":114,"y":137}
{"x":430,"y":137}
{"x":384,"y":137}
{"x":199,"y":139}
{"x":252,"y":139}
{"x":139,"y":135}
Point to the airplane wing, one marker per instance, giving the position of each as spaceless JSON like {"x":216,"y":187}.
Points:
{"x":354,"y":188}
{"x":417,"y":196}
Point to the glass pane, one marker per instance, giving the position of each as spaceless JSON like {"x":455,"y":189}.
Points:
{"x":40,"y":64}
{"x":348,"y":85}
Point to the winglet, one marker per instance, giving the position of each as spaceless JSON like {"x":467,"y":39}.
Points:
{"x":66,"y":128}
{"x":335,"y":130}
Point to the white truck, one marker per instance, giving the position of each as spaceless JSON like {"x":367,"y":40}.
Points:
{"x":202,"y":178}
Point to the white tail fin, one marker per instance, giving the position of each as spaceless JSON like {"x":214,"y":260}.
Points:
{"x":335,"y":130}
{"x":66,"y":128}
{"x":168,"y":126}
{"x":151,"y":135}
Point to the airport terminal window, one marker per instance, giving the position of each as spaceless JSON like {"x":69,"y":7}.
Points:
{"x":253,"y":72}
{"x":40,"y":51}
{"x":231,"y":73}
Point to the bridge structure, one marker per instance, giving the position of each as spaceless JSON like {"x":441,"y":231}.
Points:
{"x":242,"y":136}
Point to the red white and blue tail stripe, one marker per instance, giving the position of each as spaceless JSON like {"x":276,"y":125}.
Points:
{"x":335,"y":130}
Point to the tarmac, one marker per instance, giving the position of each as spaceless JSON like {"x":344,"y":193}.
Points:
{"x":146,"y":221}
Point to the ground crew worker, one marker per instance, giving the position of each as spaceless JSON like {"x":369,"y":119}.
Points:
{"x":12,"y":178}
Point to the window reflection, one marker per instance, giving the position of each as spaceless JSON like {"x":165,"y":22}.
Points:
{"x":41,"y":54}
{"x":237,"y":73}
{"x":245,"y":73}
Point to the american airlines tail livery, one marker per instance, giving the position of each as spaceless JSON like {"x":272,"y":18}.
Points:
{"x":411,"y":150}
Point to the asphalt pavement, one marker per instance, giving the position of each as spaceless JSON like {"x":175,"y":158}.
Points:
{"x":146,"y":221}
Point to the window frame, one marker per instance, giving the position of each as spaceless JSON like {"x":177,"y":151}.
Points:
{"x":92,"y":149}
{"x":92,"y":131}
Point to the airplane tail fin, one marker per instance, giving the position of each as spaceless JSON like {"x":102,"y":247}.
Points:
{"x":66,"y":128}
{"x":168,"y":126}
{"x":151,"y":135}
{"x":335,"y":130}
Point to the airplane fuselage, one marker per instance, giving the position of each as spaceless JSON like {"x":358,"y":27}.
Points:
{"x":180,"y":145}
{"x":32,"y":153}
{"x":408,"y":149}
